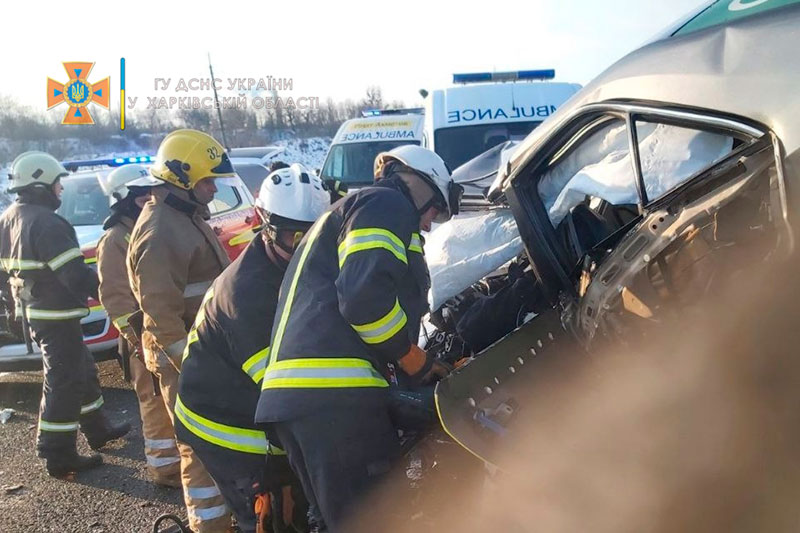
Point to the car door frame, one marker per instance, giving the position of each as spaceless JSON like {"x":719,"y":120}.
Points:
{"x":539,"y":236}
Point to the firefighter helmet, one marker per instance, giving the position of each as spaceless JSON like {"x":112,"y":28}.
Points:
{"x":34,"y":168}
{"x":187,"y":156}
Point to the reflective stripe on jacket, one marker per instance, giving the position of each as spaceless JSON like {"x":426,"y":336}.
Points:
{"x":226,"y":354}
{"x":171,"y":250}
{"x":351,"y":303}
{"x":41,"y":248}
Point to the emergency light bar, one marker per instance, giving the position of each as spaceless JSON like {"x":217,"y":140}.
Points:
{"x":512,"y":75}
{"x":111,"y":162}
{"x":383,"y":112}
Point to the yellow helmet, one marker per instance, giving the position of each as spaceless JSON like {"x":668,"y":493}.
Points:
{"x":188,"y":156}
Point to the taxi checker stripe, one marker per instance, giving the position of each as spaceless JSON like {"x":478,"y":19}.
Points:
{"x":371,"y":238}
{"x":233,"y":438}
{"x":9,"y":264}
{"x":255,"y":365}
{"x":416,"y":243}
{"x":58,"y":314}
{"x":312,"y":236}
{"x":322,"y":373}
{"x":64,"y":258}
{"x":384,"y":328}
{"x":60,"y":427}
{"x":94,"y":406}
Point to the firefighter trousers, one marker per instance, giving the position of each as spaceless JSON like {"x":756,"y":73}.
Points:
{"x":339,"y":454}
{"x":71,"y":395}
{"x":204,"y":502}
{"x":242,"y":476}
{"x":160,"y":448}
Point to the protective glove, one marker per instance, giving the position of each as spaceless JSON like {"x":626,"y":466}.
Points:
{"x":422,"y":367}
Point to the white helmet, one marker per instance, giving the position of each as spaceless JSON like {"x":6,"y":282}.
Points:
{"x":431,"y":168}
{"x":115,"y":183}
{"x":292,"y":198}
{"x":34,"y":168}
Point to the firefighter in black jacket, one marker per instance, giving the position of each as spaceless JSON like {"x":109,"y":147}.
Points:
{"x":348,"y":316}
{"x":42,"y":262}
{"x":227,"y":349}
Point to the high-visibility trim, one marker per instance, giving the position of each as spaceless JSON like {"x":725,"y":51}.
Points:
{"x":312,"y":236}
{"x":233,"y":438}
{"x":94,"y":406}
{"x":96,"y":308}
{"x":159,"y":462}
{"x":242,"y":238}
{"x":60,"y":314}
{"x":315,"y":373}
{"x":208,"y":513}
{"x":199,"y":288}
{"x":90,"y":260}
{"x":202,"y":493}
{"x":384,"y":328}
{"x":371,"y":238}
{"x":58,"y":427}
{"x":128,"y":238}
{"x":122,"y":322}
{"x":64,"y":258}
{"x":10,"y":263}
{"x":160,"y":444}
{"x":416,"y":243}
{"x":256,"y":365}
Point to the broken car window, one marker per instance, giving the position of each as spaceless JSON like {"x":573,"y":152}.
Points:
{"x":599,"y":166}
{"x":670,"y":155}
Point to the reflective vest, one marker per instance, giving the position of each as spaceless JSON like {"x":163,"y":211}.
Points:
{"x":351,"y":304}
{"x":40,"y":248}
{"x":226,"y":352}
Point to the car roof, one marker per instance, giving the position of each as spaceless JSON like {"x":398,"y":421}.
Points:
{"x":748,"y":68}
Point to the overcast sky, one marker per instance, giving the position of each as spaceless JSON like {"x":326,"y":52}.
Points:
{"x":332,"y":48}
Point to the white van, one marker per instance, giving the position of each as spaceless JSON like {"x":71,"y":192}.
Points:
{"x":359,"y":140}
{"x":486,"y":109}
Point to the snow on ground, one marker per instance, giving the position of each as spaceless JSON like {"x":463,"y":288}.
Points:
{"x":308,"y":152}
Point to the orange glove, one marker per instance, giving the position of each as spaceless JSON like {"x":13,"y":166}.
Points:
{"x":413,"y":361}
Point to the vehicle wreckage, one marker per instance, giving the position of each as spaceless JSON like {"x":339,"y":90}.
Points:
{"x":650,"y":190}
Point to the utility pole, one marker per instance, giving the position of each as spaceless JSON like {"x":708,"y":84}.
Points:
{"x":219,"y":109}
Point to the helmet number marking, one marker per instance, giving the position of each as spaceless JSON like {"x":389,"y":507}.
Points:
{"x":213,"y":153}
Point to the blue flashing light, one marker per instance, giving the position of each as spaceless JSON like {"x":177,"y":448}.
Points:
{"x":119,"y":161}
{"x":514,"y":75}
{"x":144,"y":159}
{"x":371,"y":113}
{"x":132,"y":160}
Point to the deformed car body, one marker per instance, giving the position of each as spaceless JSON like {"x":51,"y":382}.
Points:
{"x":649,"y":190}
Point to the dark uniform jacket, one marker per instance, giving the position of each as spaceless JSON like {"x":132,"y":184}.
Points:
{"x":225,"y":356}
{"x":41,"y":247}
{"x":351,"y":304}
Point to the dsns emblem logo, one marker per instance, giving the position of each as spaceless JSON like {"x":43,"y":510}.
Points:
{"x":78,"y":93}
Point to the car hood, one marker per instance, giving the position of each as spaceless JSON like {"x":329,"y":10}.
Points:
{"x":747,"y":68}
{"x":88,"y":236}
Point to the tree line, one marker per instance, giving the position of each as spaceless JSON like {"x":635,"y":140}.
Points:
{"x":24,"y":128}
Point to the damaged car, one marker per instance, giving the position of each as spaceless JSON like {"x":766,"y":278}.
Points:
{"x":650,"y":191}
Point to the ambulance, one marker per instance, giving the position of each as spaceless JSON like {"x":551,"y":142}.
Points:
{"x":485,"y":109}
{"x":352,"y":153}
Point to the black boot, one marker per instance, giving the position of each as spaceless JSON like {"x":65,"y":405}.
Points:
{"x":99,"y":430}
{"x":61,"y":464}
{"x":102,"y":434}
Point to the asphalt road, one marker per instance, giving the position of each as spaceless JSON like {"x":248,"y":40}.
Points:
{"x":114,"y":497}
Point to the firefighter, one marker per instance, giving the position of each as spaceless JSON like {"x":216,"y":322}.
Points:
{"x":348,"y":318}
{"x":173,"y":257}
{"x":129,"y":187}
{"x":41,"y":259}
{"x":228,"y":346}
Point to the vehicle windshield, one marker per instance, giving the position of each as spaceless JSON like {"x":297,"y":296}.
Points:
{"x":458,"y":145}
{"x":83,"y":202}
{"x":252,"y":175}
{"x":354,"y":162}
